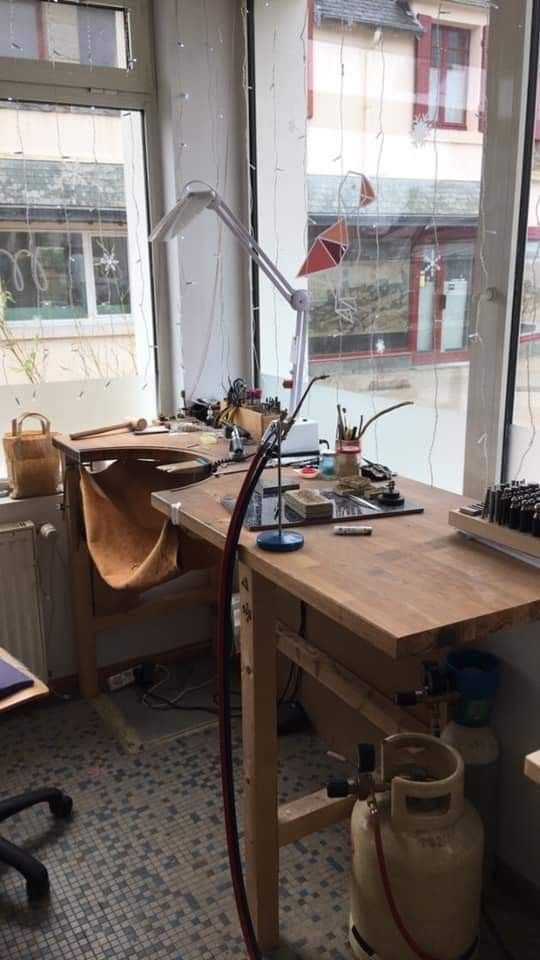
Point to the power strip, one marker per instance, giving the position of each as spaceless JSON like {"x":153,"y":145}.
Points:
{"x":120,"y":680}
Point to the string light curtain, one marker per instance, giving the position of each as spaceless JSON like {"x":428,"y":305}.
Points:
{"x":374,"y":113}
{"x":76,"y":323}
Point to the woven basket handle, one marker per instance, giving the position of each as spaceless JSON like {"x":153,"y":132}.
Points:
{"x":16,"y":425}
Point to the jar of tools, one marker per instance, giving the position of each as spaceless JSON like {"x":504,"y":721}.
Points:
{"x":347,"y":459}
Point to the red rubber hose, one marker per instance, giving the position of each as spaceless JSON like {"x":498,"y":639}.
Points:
{"x":224,"y":643}
{"x":392,"y":905}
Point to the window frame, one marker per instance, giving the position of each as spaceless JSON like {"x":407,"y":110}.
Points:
{"x":93,"y":317}
{"x":137,"y":80}
{"x":442,"y":30}
{"x":31,"y":81}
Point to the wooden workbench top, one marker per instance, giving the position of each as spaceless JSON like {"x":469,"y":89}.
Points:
{"x":162,"y":446}
{"x":415,"y":584}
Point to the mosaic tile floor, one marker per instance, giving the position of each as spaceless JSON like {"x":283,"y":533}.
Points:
{"x":141,"y":870}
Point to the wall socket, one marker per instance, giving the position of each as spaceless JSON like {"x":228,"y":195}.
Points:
{"x":120,"y":680}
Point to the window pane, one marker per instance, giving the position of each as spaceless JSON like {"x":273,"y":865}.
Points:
{"x":65,"y":32}
{"x":42,"y":274}
{"x":111,"y":274}
{"x":393,"y":320}
{"x":524,"y":450}
{"x":76,"y":325}
{"x":435,"y":96}
{"x":455,"y":98}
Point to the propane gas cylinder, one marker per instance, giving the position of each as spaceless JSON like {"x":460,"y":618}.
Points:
{"x":431,"y":841}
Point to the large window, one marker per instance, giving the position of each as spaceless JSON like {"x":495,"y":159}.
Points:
{"x":523,"y":455}
{"x":405,"y":122}
{"x":77,"y":339}
{"x":386,"y":147}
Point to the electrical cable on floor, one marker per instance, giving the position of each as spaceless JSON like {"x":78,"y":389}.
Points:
{"x":198,"y":708}
{"x":172,"y":701}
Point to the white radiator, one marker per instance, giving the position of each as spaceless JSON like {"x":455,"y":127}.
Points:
{"x":21,"y":614}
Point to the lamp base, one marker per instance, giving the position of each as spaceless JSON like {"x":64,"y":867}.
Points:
{"x":284,"y":542}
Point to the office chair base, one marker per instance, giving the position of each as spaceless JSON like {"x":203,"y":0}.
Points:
{"x":35,"y":874}
{"x":60,"y":804}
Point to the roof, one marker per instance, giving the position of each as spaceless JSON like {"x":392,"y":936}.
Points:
{"x":398,"y":200}
{"x":62,"y":186}
{"x":395,"y":14}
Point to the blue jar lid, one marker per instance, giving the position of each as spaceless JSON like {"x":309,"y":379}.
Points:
{"x":475,"y":676}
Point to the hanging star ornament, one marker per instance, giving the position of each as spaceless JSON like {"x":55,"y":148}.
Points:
{"x":328,"y":250}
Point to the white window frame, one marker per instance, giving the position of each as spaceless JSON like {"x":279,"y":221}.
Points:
{"x":137,"y":79}
{"x":506,"y":91}
{"x":35,"y":81}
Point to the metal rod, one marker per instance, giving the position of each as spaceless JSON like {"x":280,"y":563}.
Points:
{"x":280,"y":491}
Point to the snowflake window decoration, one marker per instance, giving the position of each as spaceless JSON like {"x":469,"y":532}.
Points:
{"x":432,"y":265}
{"x":421,"y":129}
{"x":108,"y":260}
{"x":380,"y":346}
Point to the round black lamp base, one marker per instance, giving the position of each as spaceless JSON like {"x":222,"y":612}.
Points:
{"x":284,"y":542}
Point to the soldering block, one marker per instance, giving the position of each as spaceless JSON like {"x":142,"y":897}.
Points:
{"x":309,"y":504}
{"x":268,"y":487}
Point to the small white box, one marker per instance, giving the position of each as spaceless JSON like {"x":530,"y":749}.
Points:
{"x":302,"y":439}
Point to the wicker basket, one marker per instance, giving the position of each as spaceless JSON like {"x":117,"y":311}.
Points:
{"x":33,"y":463}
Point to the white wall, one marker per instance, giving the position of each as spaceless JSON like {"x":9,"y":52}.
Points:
{"x":200,"y":62}
{"x":280,"y":50}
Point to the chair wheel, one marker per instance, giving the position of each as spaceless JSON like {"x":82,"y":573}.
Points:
{"x":38,"y":888}
{"x":61,"y":806}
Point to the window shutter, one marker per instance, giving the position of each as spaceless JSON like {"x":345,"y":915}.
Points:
{"x":422,"y":67}
{"x":310,"y":25}
{"x":483,"y":81}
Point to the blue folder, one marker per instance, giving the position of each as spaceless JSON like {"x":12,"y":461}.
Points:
{"x":12,"y":680}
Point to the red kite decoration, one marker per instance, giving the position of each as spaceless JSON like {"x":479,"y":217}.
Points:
{"x":328,"y":250}
{"x":367,"y":193}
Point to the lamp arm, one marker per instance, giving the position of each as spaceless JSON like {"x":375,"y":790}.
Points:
{"x":255,"y":251}
{"x":297,"y":299}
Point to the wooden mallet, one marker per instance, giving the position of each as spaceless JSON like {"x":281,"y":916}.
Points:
{"x":125,"y":426}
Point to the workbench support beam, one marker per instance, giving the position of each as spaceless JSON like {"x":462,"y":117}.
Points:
{"x":259,"y":723}
{"x":356,"y":693}
{"x":307,"y":815}
{"x":81,"y":585}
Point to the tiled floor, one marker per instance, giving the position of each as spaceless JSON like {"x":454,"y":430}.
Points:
{"x":141,"y":870}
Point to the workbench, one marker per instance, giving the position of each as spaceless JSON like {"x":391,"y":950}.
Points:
{"x":414,"y":587}
{"x":195,"y":458}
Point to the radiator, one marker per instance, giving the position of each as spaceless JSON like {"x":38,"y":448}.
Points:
{"x":21,"y":614}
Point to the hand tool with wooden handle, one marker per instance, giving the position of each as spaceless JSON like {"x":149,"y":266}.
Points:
{"x":124,"y":425}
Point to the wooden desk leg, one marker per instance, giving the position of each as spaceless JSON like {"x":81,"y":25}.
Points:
{"x":259,"y":723}
{"x":81,"y":585}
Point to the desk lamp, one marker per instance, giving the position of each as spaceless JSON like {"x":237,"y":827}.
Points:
{"x":198,"y":196}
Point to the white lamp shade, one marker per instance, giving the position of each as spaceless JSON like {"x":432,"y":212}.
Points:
{"x":181,"y":215}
